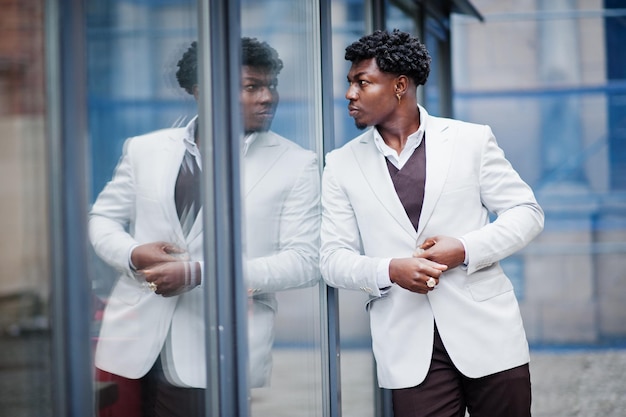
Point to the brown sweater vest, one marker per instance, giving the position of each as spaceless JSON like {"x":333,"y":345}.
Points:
{"x":409,"y":182}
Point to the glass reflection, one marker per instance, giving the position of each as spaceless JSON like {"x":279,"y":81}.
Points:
{"x":146,"y":223}
{"x":280,"y":199}
{"x":281,"y":209}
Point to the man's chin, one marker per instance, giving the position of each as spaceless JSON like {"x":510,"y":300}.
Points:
{"x":259,"y":129}
{"x":360,"y":126}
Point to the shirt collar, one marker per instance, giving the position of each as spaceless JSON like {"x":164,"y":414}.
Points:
{"x":413,"y":141}
{"x":247,"y":141}
{"x":190,"y":142}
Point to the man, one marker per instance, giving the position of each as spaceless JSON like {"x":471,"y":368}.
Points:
{"x":405,"y":218}
{"x":147,"y":222}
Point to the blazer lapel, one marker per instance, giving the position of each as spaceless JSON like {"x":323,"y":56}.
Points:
{"x":173,"y":153}
{"x":374,"y":169}
{"x":438,"y":158}
{"x":196,"y":229}
{"x":260,"y":158}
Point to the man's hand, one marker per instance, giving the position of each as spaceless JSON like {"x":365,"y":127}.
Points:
{"x":173,"y":278}
{"x":413,"y":273}
{"x":443,"y":250}
{"x":154,"y":253}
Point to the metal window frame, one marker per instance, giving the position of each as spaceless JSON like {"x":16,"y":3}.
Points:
{"x":225,"y":312}
{"x":329,"y":297}
{"x":70,"y":302}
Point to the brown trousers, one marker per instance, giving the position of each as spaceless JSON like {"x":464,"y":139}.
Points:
{"x":447,"y":393}
{"x":162,"y":399}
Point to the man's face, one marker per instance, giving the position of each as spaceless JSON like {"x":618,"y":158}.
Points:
{"x":371,"y":94}
{"x":259,"y":98}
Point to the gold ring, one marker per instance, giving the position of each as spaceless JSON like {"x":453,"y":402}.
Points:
{"x":152,"y":286}
{"x":431,"y":282}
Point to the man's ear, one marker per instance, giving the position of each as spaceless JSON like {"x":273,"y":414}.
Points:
{"x":401,"y":84}
{"x":196,"y":91}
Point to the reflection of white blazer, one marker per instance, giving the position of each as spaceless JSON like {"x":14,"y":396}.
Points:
{"x":137,"y":206}
{"x":363,"y":221}
{"x":281,"y":189}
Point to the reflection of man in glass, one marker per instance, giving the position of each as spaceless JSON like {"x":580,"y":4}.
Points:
{"x":147,"y":223}
{"x":281,"y":204}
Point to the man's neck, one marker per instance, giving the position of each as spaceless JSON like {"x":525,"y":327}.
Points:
{"x":396,"y":133}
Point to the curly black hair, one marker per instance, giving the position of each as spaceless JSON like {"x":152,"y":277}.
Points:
{"x":257,"y":54}
{"x":187,"y":74}
{"x":253,"y":53}
{"x":397,"y":53}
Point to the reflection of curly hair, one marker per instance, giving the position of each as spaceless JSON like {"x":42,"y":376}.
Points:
{"x":397,"y":53}
{"x":254,"y":54}
{"x":187,"y":74}
{"x":260,"y":55}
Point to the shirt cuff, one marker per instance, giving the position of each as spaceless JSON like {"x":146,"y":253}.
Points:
{"x":382,"y":273}
{"x":466,"y":260}
{"x":201,"y":277}
{"x":130,"y":262}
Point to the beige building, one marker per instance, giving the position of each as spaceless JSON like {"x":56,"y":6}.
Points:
{"x":536,"y":71}
{"x":24,"y":271}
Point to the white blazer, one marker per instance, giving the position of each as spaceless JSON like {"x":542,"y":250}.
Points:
{"x":137,"y":206}
{"x":363,"y":221}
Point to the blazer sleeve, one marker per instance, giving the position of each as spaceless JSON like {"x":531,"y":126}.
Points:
{"x":519,"y":218}
{"x":112,"y":214}
{"x":341,"y":261}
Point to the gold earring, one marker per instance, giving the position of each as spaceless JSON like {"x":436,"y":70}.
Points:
{"x":399,"y":97}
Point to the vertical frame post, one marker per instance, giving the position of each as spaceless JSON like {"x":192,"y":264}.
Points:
{"x":67,"y":137}
{"x":220,"y":128}
{"x":329,"y":297}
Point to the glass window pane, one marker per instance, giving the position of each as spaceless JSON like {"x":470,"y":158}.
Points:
{"x":281,"y":205}
{"x":348,"y":23}
{"x":144,"y":223}
{"x":357,"y":363}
